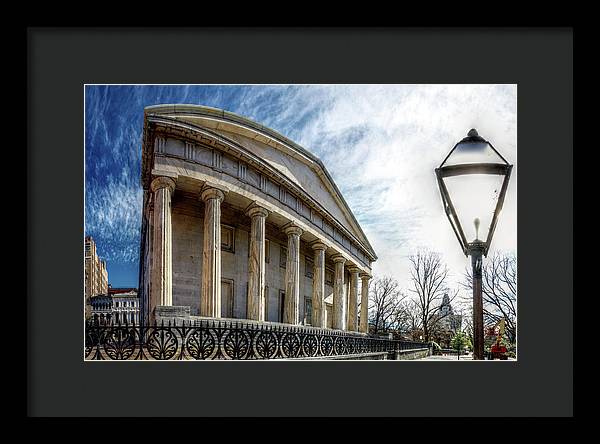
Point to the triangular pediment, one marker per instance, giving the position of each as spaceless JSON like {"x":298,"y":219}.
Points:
{"x":289,"y":159}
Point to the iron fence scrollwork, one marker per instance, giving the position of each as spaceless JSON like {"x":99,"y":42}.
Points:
{"x":229,"y":340}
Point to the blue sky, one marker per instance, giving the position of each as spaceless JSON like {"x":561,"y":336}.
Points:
{"x":380,"y":143}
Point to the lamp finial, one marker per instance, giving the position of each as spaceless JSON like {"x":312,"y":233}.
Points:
{"x":472,"y":133}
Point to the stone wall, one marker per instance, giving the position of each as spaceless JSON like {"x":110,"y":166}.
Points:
{"x":412,"y":354}
{"x":187,"y":231}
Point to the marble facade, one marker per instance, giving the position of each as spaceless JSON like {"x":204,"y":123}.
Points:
{"x":240,"y":222}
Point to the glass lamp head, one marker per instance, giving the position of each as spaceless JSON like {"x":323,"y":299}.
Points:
{"x":473,"y":179}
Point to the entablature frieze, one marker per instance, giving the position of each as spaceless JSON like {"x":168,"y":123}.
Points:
{"x":225,"y":157}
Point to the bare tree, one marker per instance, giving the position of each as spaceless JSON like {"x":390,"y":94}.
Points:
{"x":499,"y":291}
{"x":409,"y":322}
{"x":429,"y":277}
{"x":466,"y":312}
{"x":385,"y":301}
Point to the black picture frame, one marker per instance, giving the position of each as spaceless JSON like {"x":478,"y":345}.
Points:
{"x":61,"y":60}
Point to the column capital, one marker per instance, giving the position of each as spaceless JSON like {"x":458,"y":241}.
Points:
{"x":318,"y":245}
{"x":338,"y":258}
{"x":257,"y":210}
{"x":212,"y":193}
{"x":365,"y":276}
{"x":354,"y":269}
{"x":291,"y":229}
{"x":162,"y":182}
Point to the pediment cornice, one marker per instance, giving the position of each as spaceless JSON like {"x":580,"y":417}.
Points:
{"x":172,"y":126}
{"x":202,"y":116}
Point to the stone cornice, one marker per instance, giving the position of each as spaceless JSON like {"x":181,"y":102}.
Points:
{"x":302,"y":154}
{"x":180,"y":129}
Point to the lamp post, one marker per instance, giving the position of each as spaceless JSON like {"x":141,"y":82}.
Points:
{"x":473,"y":179}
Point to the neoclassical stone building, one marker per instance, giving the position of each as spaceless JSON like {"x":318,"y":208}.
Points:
{"x":116,"y":306}
{"x":241,"y":222}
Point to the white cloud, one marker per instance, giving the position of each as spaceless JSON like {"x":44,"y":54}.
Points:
{"x":381,"y":144}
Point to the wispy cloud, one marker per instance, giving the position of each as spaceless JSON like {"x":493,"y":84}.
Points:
{"x":380,"y":143}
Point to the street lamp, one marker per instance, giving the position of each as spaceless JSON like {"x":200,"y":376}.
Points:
{"x":473,"y":179}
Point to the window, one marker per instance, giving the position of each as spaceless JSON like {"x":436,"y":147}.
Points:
{"x":308,"y":267}
{"x":267,"y":251}
{"x":281,"y":305}
{"x":307,"y":310}
{"x":266,"y":302}
{"x":282,"y":256}
{"x":329,"y":277}
{"x":329,"y":315}
{"x":226,"y":298}
{"x":227,"y":238}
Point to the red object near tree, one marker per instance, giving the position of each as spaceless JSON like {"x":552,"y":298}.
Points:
{"x":498,"y":351}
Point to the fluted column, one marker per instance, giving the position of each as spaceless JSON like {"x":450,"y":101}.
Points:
{"x":353,"y":299}
{"x":318,"y":289}
{"x":364,"y":303}
{"x":256,"y":263}
{"x":291,"y":313}
{"x":161,"y":288}
{"x":210,"y":303}
{"x":339,"y":294}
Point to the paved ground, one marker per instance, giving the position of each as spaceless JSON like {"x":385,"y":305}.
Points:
{"x":447,"y":358}
{"x":452,"y":358}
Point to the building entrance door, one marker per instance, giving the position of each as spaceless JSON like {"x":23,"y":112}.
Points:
{"x":281,"y":305}
{"x":226,"y":298}
{"x":329,"y":315}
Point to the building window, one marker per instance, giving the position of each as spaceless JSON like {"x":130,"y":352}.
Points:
{"x":307,"y":310}
{"x":281,"y":305}
{"x":227,"y":298}
{"x":329,"y":277}
{"x":228,"y":238}
{"x":282,"y":256}
{"x":328,"y":315}
{"x":267,"y":251}
{"x":266,"y":295}
{"x":308,"y":267}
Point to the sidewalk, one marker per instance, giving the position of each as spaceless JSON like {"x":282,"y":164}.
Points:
{"x":448,"y":358}
{"x":468,"y":357}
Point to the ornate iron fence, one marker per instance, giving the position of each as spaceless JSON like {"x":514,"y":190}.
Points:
{"x":207,"y":339}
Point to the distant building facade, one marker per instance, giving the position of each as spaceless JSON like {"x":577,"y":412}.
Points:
{"x":240,"y":222}
{"x":118,"y":306}
{"x":96,"y":275}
